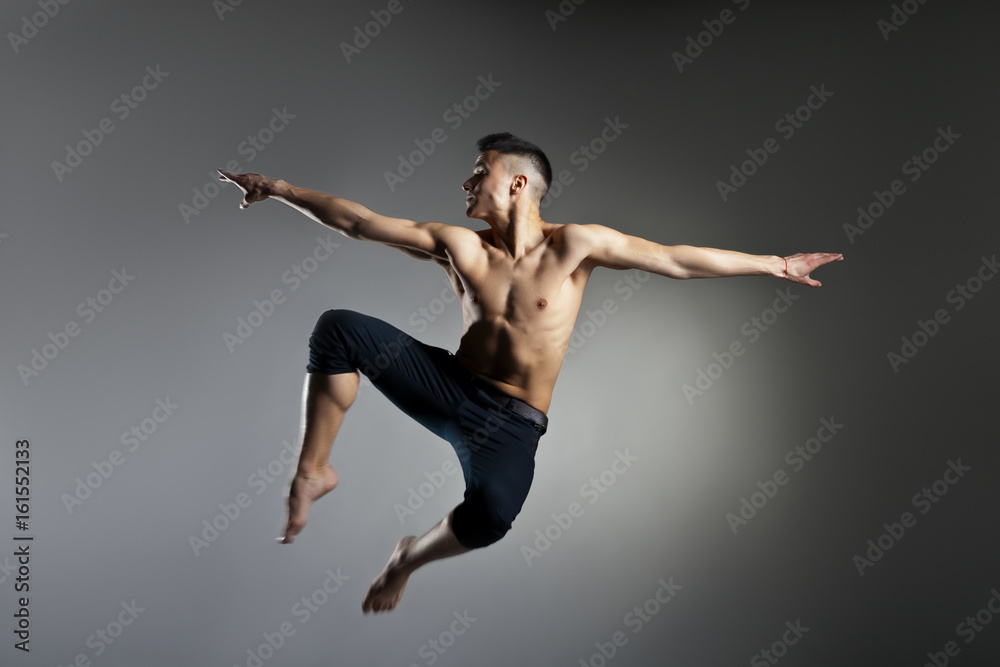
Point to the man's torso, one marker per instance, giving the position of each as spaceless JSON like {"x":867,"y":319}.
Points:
{"x":518,"y":314}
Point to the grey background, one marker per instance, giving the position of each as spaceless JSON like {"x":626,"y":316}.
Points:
{"x":826,"y":357}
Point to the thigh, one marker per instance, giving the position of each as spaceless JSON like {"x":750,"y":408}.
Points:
{"x":496,"y":448}
{"x":420,"y":379}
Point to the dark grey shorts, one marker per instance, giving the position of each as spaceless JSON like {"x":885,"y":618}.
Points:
{"x":495,"y":445}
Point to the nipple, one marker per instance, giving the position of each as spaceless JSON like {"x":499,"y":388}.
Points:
{"x":542,"y":303}
{"x":475,"y":299}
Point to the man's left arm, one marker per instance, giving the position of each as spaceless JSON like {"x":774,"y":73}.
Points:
{"x":614,"y":250}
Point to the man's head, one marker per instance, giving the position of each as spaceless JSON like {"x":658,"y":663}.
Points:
{"x":508,"y":167}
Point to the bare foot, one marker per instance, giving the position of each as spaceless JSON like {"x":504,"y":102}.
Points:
{"x":306,"y":488}
{"x":386,"y":590}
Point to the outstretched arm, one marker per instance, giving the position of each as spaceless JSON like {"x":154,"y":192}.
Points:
{"x":612,"y":249}
{"x":423,"y":240}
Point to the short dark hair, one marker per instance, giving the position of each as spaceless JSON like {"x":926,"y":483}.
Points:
{"x":506,"y":143}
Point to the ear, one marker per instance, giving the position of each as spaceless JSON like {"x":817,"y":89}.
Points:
{"x":519,"y":184}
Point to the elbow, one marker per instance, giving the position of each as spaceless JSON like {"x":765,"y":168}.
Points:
{"x":353,"y":227}
{"x":676,"y":271}
{"x":670,"y":263}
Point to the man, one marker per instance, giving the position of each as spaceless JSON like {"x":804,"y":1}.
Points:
{"x":520,"y":283}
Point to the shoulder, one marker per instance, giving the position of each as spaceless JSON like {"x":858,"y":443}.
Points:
{"x":584,"y":231}
{"x":585,"y":237}
{"x":454,"y":235}
{"x":593,"y":245}
{"x":462,"y":245}
{"x":576,"y":243}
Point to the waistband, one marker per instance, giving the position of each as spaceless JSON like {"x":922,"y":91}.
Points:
{"x":515,"y":405}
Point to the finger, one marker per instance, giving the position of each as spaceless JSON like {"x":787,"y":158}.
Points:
{"x":239,"y":180}
{"x":826,"y":258}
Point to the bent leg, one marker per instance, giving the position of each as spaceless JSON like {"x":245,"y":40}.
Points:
{"x":495,"y":446}
{"x":344,"y":343}
{"x":415,"y":377}
{"x":325,"y":400}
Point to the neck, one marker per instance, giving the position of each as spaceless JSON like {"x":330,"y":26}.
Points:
{"x":518,"y":233}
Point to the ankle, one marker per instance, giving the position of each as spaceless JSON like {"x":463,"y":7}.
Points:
{"x":402,"y":559}
{"x":313,"y":469}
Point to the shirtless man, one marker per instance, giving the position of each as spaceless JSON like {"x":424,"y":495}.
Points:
{"x":520,"y":282}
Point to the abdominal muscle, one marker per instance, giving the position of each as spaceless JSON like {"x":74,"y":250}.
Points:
{"x":518,"y":318}
{"x":512,"y":362}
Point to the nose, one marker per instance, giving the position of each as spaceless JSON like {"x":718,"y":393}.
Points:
{"x":467,"y":186}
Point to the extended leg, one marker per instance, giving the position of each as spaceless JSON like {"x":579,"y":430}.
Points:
{"x":411,"y":552}
{"x":501,"y":467}
{"x":325,"y":400}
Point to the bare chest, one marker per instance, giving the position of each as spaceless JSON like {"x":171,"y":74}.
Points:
{"x":538,"y":288}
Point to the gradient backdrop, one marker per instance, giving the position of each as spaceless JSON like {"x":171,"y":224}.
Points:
{"x":827,"y":495}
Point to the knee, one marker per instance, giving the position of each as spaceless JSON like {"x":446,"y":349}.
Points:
{"x":485,"y":516}
{"x":329,"y":342}
{"x":336,"y":318}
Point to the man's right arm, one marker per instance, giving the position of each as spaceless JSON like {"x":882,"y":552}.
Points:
{"x":425,"y":240}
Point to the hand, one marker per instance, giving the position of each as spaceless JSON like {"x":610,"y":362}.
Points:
{"x":254,"y":186}
{"x":800,"y":265}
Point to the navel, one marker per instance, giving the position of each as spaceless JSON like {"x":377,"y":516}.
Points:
{"x":542,"y":303}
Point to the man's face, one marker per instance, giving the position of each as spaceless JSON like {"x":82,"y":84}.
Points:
{"x":488,"y":187}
